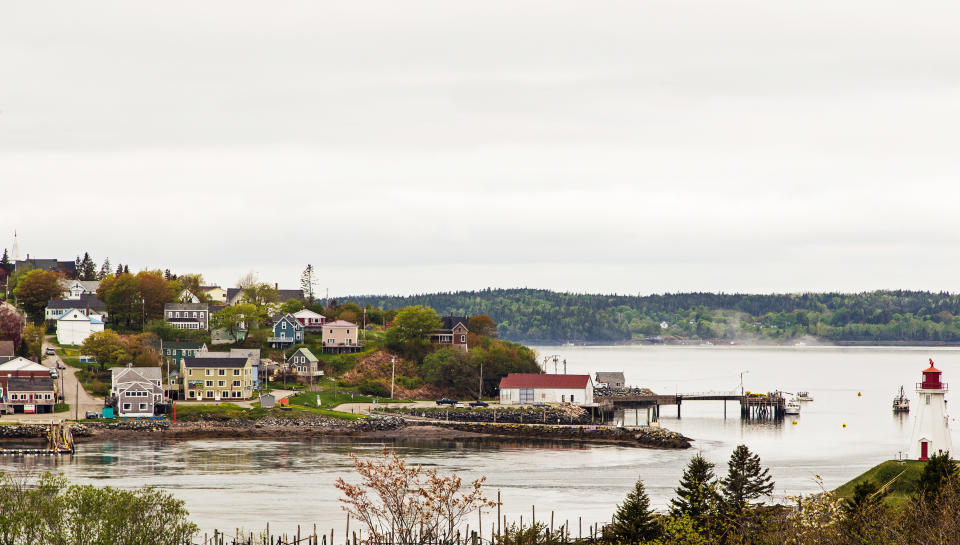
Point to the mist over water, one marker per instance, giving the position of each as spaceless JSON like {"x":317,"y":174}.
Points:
{"x":231,"y":484}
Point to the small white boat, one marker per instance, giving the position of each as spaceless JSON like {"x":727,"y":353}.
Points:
{"x":792,"y":407}
{"x":804,"y":396}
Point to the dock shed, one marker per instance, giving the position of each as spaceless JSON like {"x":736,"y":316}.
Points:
{"x":523,"y":388}
{"x":610,"y":379}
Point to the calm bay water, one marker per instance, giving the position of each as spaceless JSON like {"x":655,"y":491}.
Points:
{"x":245,"y":483}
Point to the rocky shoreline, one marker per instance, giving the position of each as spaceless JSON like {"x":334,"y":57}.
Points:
{"x":383,"y":427}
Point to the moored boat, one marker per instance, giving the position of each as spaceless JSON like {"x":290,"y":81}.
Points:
{"x":804,"y":396}
{"x":792,"y":406}
{"x":901,"y":403}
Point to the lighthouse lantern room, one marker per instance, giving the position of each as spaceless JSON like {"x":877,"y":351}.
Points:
{"x":931,"y":431}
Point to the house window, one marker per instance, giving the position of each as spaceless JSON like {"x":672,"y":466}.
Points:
{"x":209,"y":383}
{"x":209,"y":394}
{"x":236,"y":383}
{"x":191,"y":394}
{"x":222,"y":372}
{"x":220,"y":383}
{"x":236,"y":372}
{"x":126,"y":406}
{"x":463,"y":338}
{"x":224,"y":394}
{"x":143,"y":406}
{"x":209,"y":372}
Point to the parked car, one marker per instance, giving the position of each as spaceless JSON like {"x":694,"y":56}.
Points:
{"x":54,"y":374}
{"x":446,"y":401}
{"x":50,"y":351}
{"x":92,"y":415}
{"x":479,"y":403}
{"x":60,"y":365}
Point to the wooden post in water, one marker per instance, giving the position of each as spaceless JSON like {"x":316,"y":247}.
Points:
{"x":580,"y":525}
{"x":498,"y":513}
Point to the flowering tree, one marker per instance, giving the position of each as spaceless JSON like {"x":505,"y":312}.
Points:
{"x":409,"y":505}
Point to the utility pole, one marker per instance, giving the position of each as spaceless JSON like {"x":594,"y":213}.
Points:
{"x":480,"y":391}
{"x":76,"y":404}
{"x":393,"y":373}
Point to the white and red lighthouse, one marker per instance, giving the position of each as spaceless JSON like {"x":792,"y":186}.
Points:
{"x":931,"y":431}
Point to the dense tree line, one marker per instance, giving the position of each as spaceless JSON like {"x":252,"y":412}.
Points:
{"x":530,"y":315}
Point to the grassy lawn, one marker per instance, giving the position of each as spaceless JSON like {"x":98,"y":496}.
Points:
{"x":229,"y":411}
{"x":327,"y":399}
{"x":903,"y":474}
{"x":61,"y":407}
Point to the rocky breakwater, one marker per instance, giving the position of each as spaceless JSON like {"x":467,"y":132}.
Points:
{"x":24,"y":431}
{"x":300,"y":426}
{"x":554,"y":414}
{"x":648,"y":437}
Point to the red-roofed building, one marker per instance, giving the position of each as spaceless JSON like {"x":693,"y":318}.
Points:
{"x":525,"y":388}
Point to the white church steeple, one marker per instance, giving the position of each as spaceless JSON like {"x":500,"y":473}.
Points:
{"x":15,"y":252}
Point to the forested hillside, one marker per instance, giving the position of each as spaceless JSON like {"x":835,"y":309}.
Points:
{"x":530,"y":315}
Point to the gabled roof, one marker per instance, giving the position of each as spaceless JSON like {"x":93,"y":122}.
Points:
{"x":307,"y":313}
{"x":215,"y":362}
{"x":134,"y":374}
{"x":181,"y":345}
{"x":537,"y":380}
{"x":74,"y":315}
{"x":611,"y":377}
{"x":306,"y":353}
{"x":289,"y":318}
{"x":86,"y":300}
{"x":27,"y":384}
{"x":186,"y":306}
{"x":450,"y":322}
{"x":340,"y":323}
{"x":286,"y":295}
{"x":22,"y":364}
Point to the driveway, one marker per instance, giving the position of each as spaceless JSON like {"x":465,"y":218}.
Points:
{"x":364,"y":408}
{"x":70,"y":387}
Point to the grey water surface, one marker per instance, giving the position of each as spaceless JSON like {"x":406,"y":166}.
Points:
{"x":245,"y":483}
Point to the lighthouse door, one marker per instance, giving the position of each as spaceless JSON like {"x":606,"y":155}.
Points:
{"x":923,"y":450}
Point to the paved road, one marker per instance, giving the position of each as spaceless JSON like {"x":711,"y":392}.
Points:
{"x":364,"y":408}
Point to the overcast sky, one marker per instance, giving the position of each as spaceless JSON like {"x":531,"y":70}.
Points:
{"x":404,"y":147}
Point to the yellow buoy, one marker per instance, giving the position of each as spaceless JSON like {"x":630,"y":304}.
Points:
{"x":794,"y":422}
{"x":859,"y":394}
{"x":844,"y":424}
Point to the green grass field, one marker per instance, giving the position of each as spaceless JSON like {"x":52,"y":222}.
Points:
{"x":328,"y":399}
{"x":899,"y":477}
{"x":229,"y":411}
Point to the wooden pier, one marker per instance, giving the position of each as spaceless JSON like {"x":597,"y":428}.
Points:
{"x":752,"y":406}
{"x":59,"y":441}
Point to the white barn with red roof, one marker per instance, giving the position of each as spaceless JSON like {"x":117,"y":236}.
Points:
{"x":525,"y":388}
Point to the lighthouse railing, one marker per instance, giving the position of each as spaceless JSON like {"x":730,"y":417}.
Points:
{"x":927,"y":386}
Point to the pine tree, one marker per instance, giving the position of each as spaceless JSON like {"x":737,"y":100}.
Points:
{"x":307,"y":283}
{"x":936,"y":471}
{"x":77,"y":267}
{"x":634,"y":521}
{"x":119,"y":269}
{"x":88,"y":269}
{"x":697,"y":494}
{"x":745,"y":480}
{"x":126,"y":269}
{"x":5,"y":260}
{"x":104,"y":269}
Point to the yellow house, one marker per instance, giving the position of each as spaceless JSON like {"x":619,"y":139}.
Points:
{"x":217,"y":379}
